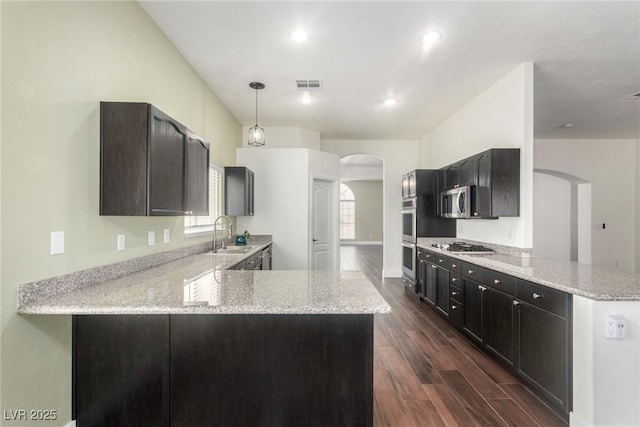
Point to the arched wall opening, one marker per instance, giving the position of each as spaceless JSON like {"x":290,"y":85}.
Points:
{"x":561,"y":216}
{"x":362,"y":204}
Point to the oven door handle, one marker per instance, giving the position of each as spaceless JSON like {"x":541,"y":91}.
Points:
{"x":409,"y":211}
{"x":409,"y":245}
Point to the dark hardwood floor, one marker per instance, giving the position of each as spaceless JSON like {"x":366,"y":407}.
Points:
{"x":427,"y":374}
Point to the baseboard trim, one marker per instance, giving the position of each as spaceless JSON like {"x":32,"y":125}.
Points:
{"x":359,"y":242}
{"x":392,"y":273}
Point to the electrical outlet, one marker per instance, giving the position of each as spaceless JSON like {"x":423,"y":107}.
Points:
{"x":151,"y":237}
{"x":120,"y":245}
{"x":166,"y":235}
{"x":614,"y":326}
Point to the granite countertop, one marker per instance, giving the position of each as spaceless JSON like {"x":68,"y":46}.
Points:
{"x":200,"y":284}
{"x":593,"y":282}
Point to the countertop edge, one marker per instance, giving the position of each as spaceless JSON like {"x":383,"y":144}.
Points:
{"x":482,"y":262}
{"x":81,"y":311}
{"x":57,"y":304}
{"x":37,"y":292}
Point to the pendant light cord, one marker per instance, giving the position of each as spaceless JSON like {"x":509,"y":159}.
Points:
{"x":256,"y":107}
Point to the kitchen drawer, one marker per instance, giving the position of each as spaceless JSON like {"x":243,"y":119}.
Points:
{"x":428,"y":255}
{"x":455,"y":280}
{"x":556,"y":302}
{"x":242,"y":265}
{"x":500,"y":281}
{"x":410,"y":287}
{"x":455,"y":294}
{"x":455,"y":313}
{"x":454,"y":265}
{"x":472,"y":271}
{"x":442,"y":261}
{"x":251,"y":261}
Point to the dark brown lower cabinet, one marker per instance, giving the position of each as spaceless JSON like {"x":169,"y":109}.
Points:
{"x":121,"y":370}
{"x":431,"y":282}
{"x":499,"y":332}
{"x":544,"y":346}
{"x":223,"y":370}
{"x":523,"y":325}
{"x":442,"y":290}
{"x":473,"y":296}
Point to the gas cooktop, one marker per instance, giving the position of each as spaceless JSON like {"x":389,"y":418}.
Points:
{"x":464,"y":248}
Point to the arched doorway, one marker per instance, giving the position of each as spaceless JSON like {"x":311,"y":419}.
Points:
{"x":361,"y":207}
{"x":561,"y":216}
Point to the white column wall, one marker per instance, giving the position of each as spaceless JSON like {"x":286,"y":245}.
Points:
{"x":499,"y":117}
{"x":281,"y":198}
{"x":606,"y":379}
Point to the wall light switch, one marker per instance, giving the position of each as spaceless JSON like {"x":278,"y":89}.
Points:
{"x":151,"y":237}
{"x":57,"y":242}
{"x":120,"y":246}
{"x":167,"y":236}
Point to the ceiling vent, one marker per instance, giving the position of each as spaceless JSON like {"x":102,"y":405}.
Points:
{"x":309,"y":85}
{"x":634,"y":96}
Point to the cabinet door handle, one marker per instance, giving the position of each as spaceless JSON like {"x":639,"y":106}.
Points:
{"x":482,"y":288}
{"x":440,"y":260}
{"x":433,"y":266}
{"x":454,"y":293}
{"x":497,"y":281}
{"x":536,"y":296}
{"x":453,"y":279}
{"x":453,"y":307}
{"x":470,"y":271}
{"x":188,"y":212}
{"x":516,"y":302}
{"x":454,"y":265}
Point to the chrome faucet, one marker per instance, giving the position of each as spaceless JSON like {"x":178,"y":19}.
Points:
{"x":215,"y":230}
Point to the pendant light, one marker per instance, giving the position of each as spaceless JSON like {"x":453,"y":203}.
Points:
{"x":256,"y":133}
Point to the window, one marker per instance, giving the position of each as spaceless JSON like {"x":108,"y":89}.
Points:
{"x":199,"y":224}
{"x":347,"y":213}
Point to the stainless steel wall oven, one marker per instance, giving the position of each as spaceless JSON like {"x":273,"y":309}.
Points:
{"x":409,"y":263}
{"x":409,"y":226}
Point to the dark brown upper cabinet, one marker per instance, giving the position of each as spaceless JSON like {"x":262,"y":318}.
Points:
{"x":495,"y":179}
{"x":238,"y":191}
{"x":498,"y":183}
{"x":150,"y":164}
{"x":197,"y":175}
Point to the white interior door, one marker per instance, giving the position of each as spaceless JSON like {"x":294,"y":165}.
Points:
{"x":321,"y":225}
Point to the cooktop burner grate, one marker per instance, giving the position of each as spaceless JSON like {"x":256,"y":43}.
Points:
{"x":463,"y":248}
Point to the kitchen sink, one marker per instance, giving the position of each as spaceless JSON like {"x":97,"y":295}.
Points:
{"x":234,"y":250}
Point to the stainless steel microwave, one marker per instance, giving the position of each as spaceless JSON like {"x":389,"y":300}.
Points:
{"x":457,"y":202}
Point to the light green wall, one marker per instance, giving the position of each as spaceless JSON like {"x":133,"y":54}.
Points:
{"x":59,"y":59}
{"x":369,"y":209}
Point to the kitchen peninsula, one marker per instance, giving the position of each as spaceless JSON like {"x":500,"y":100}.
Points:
{"x":192,"y":342}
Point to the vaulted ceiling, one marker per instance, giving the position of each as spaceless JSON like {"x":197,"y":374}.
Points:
{"x":586,"y":56}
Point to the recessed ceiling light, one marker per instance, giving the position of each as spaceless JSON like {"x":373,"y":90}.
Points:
{"x":299,"y":36}
{"x":430,"y":38}
{"x":390,"y":101}
{"x":306,"y":99}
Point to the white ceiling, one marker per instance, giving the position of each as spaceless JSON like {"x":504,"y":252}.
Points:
{"x":586,"y":56}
